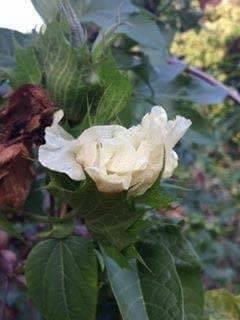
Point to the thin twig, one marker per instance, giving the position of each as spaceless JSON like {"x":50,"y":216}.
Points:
{"x":31,"y":215}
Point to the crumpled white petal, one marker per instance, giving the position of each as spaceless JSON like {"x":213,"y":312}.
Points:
{"x":114,"y":157}
{"x":109,"y":183}
{"x":176,"y":130}
{"x":59,"y":151}
{"x":159,"y":137}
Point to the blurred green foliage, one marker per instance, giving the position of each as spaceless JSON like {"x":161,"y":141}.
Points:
{"x":213,"y":224}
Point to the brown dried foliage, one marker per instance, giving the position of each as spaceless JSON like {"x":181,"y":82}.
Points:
{"x":22,"y":120}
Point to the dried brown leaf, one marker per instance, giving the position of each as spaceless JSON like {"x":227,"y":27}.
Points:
{"x":22,"y":122}
{"x":27,"y":114}
{"x":16,"y":175}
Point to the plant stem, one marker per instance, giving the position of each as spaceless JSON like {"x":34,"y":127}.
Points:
{"x":34,"y":216}
{"x":63,"y":210}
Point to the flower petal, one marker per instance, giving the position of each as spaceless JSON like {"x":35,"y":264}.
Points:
{"x":124,"y":157}
{"x":55,"y":135}
{"x":154,"y":125}
{"x":97,"y":133}
{"x":176,"y":129}
{"x":171,"y":164}
{"x":109,"y":183}
{"x":87,"y":154}
{"x":143,"y":180}
{"x":59,"y":151}
{"x":61,"y":160}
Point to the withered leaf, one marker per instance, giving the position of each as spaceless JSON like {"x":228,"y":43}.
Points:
{"x":27,"y":114}
{"x":22,"y":120}
{"x":16,"y":174}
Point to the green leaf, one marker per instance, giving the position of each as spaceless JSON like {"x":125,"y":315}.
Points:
{"x":186,"y":88}
{"x":221,"y":304}
{"x":168,"y":90}
{"x":46,"y":9}
{"x":192,"y":285}
{"x":155,"y":197}
{"x":107,"y":13}
{"x":9,"y":41}
{"x":69,"y":76}
{"x":138,"y":27}
{"x":65,"y":189}
{"x":129,"y":22}
{"x":62,"y":279}
{"x":60,"y":228}
{"x":187,"y":265}
{"x":147,"y":293}
{"x":111,"y":218}
{"x":8,"y":227}
{"x":161,"y":288}
{"x":104,"y":13}
{"x":126,"y":287}
{"x":27,"y":68}
{"x":182,"y":251}
{"x":201,"y":92}
{"x":118,"y":88}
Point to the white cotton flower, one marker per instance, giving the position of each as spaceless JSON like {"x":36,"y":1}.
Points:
{"x":114,"y":157}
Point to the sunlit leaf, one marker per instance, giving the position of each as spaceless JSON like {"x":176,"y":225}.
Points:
{"x":221,"y":304}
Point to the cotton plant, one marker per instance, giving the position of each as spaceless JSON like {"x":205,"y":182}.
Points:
{"x":101,"y":224}
{"x":106,"y":176}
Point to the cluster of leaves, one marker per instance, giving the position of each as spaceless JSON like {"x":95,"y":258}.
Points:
{"x":111,"y":67}
{"x":220,"y":27}
{"x":213,"y":224}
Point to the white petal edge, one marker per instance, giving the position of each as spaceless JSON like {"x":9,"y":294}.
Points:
{"x":176,"y":129}
{"x":59,"y":151}
{"x":109,"y":183}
